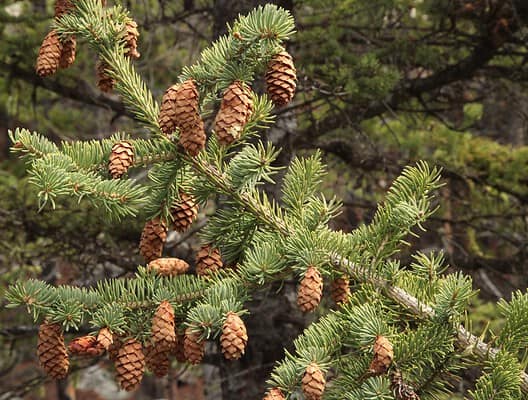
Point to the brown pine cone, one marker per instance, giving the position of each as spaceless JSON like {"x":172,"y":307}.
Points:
{"x":152,"y":240}
{"x":208,"y":260}
{"x":340,"y":290}
{"x":313,"y":382}
{"x":131,"y":38}
{"x":105,"y":82}
{"x":281,"y":79}
{"x":157,"y":360}
{"x":62,"y":7}
{"x":163,"y":335}
{"x":234,"y":337}
{"x":235,"y":111}
{"x":177,"y":350}
{"x":383,"y":356}
{"x":121,"y":158}
{"x":49,"y":56}
{"x":168,"y":266}
{"x":167,"y":115}
{"x":193,"y":140}
{"x":51,"y":351}
{"x":402,"y":390}
{"x":105,"y":338}
{"x":310,"y":290}
{"x":274,"y":394}
{"x":67,"y":57}
{"x":193,"y":347}
{"x":184,"y":212}
{"x":86,"y":346}
{"x":130,"y":365}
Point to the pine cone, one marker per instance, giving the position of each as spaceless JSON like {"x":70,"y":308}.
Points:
{"x":274,"y":394}
{"x":130,"y":365}
{"x":401,"y":390}
{"x":193,"y":140}
{"x":177,"y":349}
{"x":168,"y":266}
{"x":67,"y":57}
{"x":121,"y":158}
{"x":383,"y":356}
{"x":62,"y":7}
{"x":49,"y":54}
{"x":152,"y":239}
{"x":105,"y":82}
{"x":193,"y":347}
{"x":105,"y":338}
{"x":234,"y":337}
{"x":86,"y":346}
{"x":208,"y":260}
{"x":167,"y":115}
{"x":163,"y":335}
{"x":313,"y":382}
{"x":280,"y":79}
{"x":184,"y":212}
{"x":157,"y":360}
{"x":131,"y":38}
{"x":310,"y":290}
{"x":235,"y":111}
{"x":340,"y":290}
{"x":51,"y":351}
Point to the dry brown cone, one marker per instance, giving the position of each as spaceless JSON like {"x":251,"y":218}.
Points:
{"x":105,"y":338}
{"x":167,"y":115}
{"x":193,"y":140}
{"x":168,"y":266}
{"x":49,"y":54}
{"x":157,"y":360}
{"x":281,"y":79}
{"x":131,"y":38}
{"x":105,"y":82}
{"x":51,"y":351}
{"x":193,"y":347}
{"x":313,"y":382}
{"x":177,"y":349}
{"x":383,"y":356}
{"x":67,"y":57}
{"x":402,"y":390}
{"x":208,"y":260}
{"x":130,"y":365}
{"x":152,"y":240}
{"x":235,"y":111}
{"x":121,"y":158}
{"x":234,"y":337}
{"x":184,"y":212}
{"x":274,"y":394}
{"x":340,"y":290}
{"x":310,"y":290}
{"x":162,"y":331}
{"x":62,"y":7}
{"x":86,"y":346}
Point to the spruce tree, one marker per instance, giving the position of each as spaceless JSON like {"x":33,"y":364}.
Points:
{"x":395,"y":332}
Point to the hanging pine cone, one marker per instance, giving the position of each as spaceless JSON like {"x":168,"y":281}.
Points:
{"x":208,"y":260}
{"x":340,"y":290}
{"x":62,"y":7}
{"x":310,"y":290}
{"x":86,"y":346}
{"x":105,"y":82}
{"x":401,"y":390}
{"x":313,"y":382}
{"x":105,"y":338}
{"x":121,"y":158}
{"x":383,"y":356}
{"x":157,"y":360}
{"x":67,"y":57}
{"x":184,"y":212}
{"x":49,"y":54}
{"x":152,"y":240}
{"x":51,"y":351}
{"x":177,"y":349}
{"x":235,"y":111}
{"x":168,"y":266}
{"x":193,"y":140}
{"x":167,"y":115}
{"x":163,"y":335}
{"x":130,"y":365}
{"x":274,"y":394}
{"x":280,"y":79}
{"x":234,"y":337}
{"x":131,"y":39}
{"x":193,"y":347}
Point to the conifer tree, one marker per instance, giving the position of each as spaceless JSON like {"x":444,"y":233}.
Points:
{"x":397,"y":331}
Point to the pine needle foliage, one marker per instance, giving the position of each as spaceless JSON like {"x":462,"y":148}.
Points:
{"x":417,"y":308}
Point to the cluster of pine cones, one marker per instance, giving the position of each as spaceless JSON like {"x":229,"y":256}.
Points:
{"x":58,"y":53}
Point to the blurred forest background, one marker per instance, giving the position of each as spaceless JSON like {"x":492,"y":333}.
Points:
{"x":382,"y":83}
